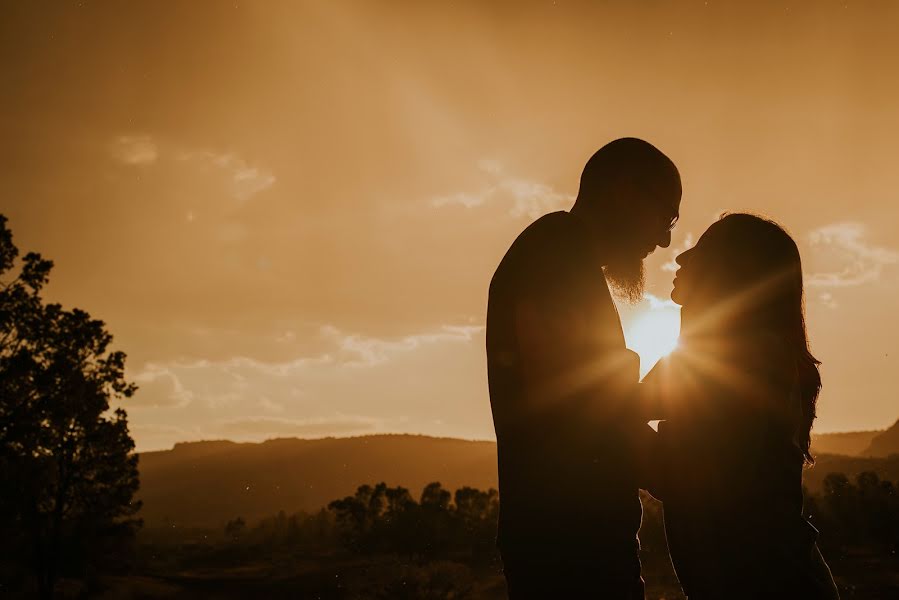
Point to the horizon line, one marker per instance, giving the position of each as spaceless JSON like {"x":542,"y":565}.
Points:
{"x":410,"y":434}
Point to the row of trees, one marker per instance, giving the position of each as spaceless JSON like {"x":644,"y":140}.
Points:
{"x":384,"y":519}
{"x":850,"y":516}
{"x":378,"y":519}
{"x":66,"y":461}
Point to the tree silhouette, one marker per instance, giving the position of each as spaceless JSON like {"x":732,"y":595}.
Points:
{"x":357,"y":516}
{"x":852,"y":517}
{"x":70,"y":458}
{"x":235,"y":528}
{"x":402,"y":532}
{"x":435,"y":524}
{"x":477,"y":513}
{"x":382,"y":519}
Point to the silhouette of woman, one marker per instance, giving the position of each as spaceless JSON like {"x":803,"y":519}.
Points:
{"x":738,"y":401}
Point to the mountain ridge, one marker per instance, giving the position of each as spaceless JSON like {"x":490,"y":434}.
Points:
{"x":884,"y":444}
{"x":848,"y":443}
{"x":207,"y":483}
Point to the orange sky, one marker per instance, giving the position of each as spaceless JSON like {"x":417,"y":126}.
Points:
{"x":288,"y":213}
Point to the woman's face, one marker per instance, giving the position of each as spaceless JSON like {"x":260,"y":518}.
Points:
{"x":740,"y":272}
{"x":683,"y":276}
{"x":698,"y":268}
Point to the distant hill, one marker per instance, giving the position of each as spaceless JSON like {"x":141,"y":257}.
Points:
{"x":884,"y":444}
{"x":205,"y":484}
{"x":852,"y":443}
{"x":208,"y":483}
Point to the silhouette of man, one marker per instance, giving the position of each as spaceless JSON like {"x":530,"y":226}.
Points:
{"x":561,"y":380}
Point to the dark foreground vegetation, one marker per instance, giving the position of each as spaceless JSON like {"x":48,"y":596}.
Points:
{"x":68,"y":471}
{"x":383,"y":542}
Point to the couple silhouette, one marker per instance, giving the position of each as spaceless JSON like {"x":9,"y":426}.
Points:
{"x":736,"y":399}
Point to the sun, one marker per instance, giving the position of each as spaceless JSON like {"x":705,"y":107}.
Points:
{"x":653,"y":334}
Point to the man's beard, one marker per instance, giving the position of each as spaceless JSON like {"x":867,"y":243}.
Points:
{"x":627,"y":279}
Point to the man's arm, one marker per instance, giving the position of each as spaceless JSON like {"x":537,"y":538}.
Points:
{"x":677,"y":385}
{"x":565,"y":356}
{"x":654,"y":394}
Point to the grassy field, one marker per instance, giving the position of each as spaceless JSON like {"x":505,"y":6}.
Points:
{"x":330,"y":577}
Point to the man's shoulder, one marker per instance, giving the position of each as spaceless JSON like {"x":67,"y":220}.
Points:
{"x":547,"y":226}
{"x":548,"y":236}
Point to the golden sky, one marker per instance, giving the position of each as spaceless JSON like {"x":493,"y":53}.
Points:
{"x":288,"y":213}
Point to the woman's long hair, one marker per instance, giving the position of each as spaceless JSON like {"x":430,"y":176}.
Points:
{"x":760,"y":265}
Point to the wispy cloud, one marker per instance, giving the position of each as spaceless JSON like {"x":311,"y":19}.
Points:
{"x":523,"y":197}
{"x":341,"y":373}
{"x":826,"y":298}
{"x":246,"y":179}
{"x":855,"y":261}
{"x":159,"y":386}
{"x":134,"y":150}
{"x":656,"y":303}
{"x":238,"y":379}
{"x":369,"y":351}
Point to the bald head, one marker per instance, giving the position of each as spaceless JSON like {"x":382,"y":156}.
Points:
{"x":630,"y":197}
{"x":628,"y":164}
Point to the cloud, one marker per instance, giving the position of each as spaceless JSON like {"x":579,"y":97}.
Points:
{"x":369,"y":351}
{"x":524,"y":198}
{"x":276,"y":386}
{"x":341,"y":349}
{"x":276,"y":426}
{"x":468,"y":200}
{"x":340,"y":385}
{"x":135,"y":150}
{"x":826,"y":298}
{"x":656,"y":303}
{"x":855,"y":261}
{"x":159,"y":387}
{"x":245,"y":180}
{"x":533,"y":199}
{"x":238,"y":368}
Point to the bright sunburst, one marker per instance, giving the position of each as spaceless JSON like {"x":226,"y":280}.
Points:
{"x":654,"y":332}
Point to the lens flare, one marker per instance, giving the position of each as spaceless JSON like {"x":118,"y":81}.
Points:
{"x":654,"y":335}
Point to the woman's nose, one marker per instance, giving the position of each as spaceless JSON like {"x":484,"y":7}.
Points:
{"x":682,"y":258}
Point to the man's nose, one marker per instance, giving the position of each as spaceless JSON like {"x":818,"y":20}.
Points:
{"x":665,"y":241}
